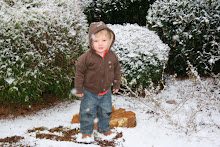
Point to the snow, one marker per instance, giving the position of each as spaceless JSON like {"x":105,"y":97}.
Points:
{"x":140,"y":51}
{"x":23,"y":28}
{"x":9,"y":80}
{"x":138,"y":40}
{"x":153,"y":129}
{"x":172,"y":19}
{"x":193,"y":121}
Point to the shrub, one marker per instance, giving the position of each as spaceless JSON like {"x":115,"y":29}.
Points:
{"x":117,"y":11}
{"x":39,"y":43}
{"x":141,"y":53}
{"x":191,"y":28}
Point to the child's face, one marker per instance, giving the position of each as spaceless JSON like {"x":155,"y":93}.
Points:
{"x":101,"y":42}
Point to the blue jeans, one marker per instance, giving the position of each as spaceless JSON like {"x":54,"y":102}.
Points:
{"x":91,"y":105}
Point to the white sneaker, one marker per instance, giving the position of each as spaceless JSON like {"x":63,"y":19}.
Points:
{"x":108,"y":137}
{"x":84,"y":140}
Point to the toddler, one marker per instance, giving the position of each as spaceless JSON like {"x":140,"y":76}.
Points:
{"x":96,"y":71}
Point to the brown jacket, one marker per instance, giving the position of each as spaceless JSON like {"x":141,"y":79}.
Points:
{"x":93,"y":73}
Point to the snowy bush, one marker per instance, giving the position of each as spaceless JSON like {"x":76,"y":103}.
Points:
{"x":117,"y":11}
{"x":191,"y":28}
{"x":39,"y":43}
{"x":141,"y":53}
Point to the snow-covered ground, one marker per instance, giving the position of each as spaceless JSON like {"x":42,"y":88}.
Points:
{"x":194,"y":121}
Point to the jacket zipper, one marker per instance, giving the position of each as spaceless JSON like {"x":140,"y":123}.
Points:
{"x":103,"y":76}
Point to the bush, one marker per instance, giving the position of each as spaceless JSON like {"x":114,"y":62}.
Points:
{"x":117,"y":11}
{"x":141,"y":53}
{"x":39,"y":43}
{"x":191,"y":28}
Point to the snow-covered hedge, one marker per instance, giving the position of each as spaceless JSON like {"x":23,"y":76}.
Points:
{"x":117,"y":11}
{"x":39,"y":43}
{"x":191,"y":28}
{"x":141,"y":53}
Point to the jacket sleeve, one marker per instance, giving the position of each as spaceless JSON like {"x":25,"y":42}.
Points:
{"x":117,"y":75}
{"x":80,"y":74}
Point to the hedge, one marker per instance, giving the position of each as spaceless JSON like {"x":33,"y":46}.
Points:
{"x":39,"y":44}
{"x":191,"y":29}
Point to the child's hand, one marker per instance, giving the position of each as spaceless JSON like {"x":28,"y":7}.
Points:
{"x":115,"y":90}
{"x":80,"y":95}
